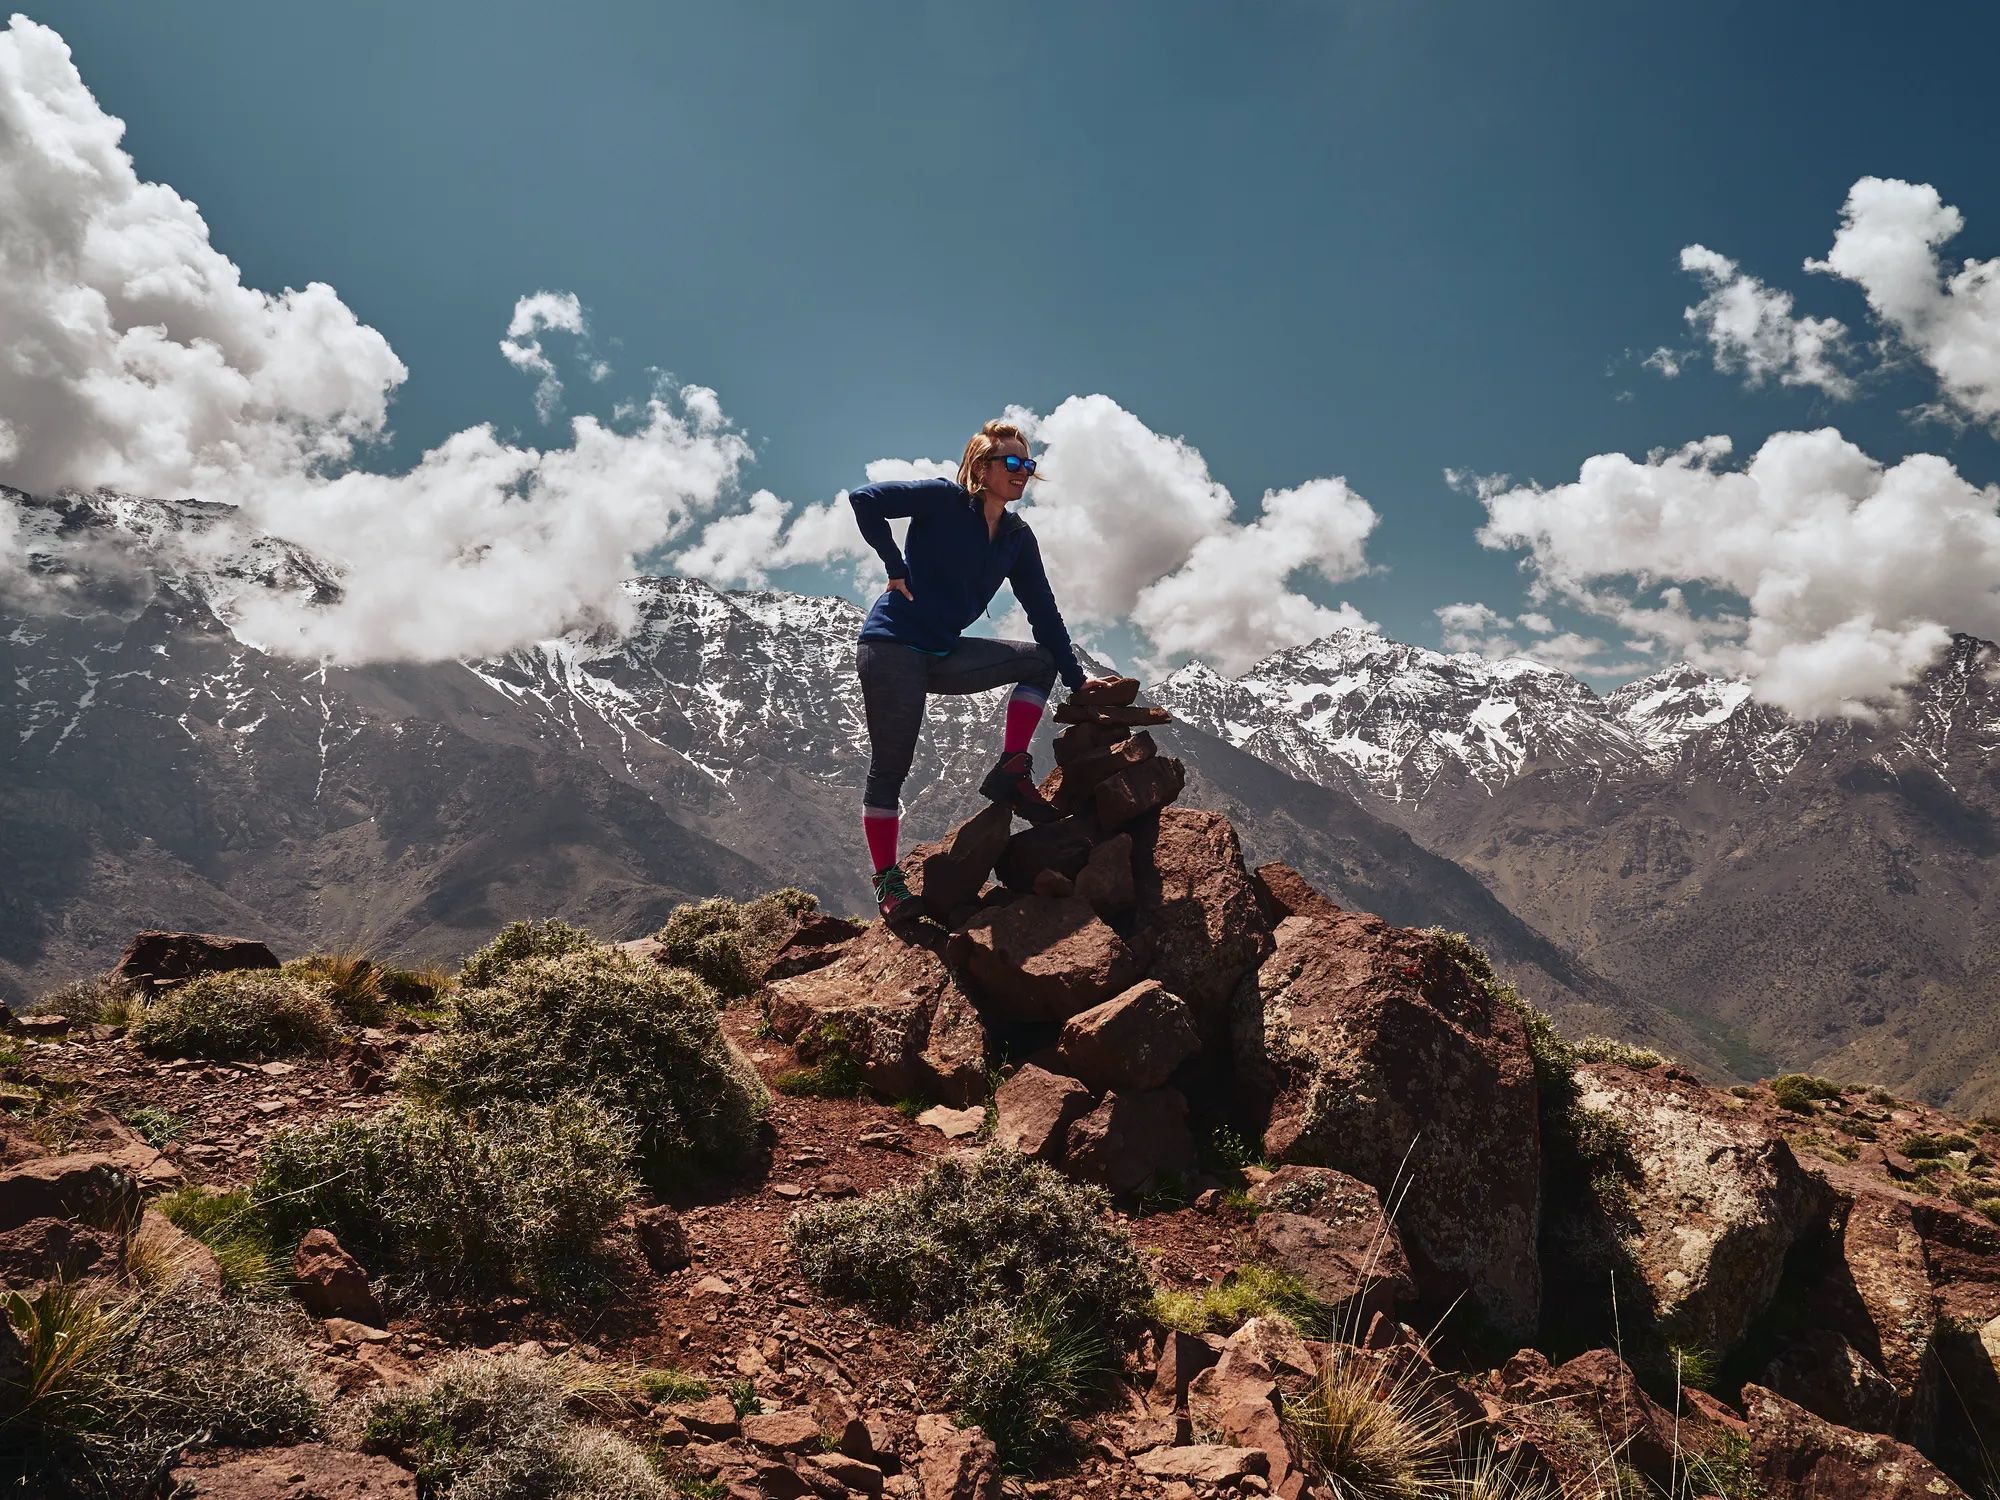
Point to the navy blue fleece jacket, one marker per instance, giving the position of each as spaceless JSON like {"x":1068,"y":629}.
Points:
{"x":954,"y":569}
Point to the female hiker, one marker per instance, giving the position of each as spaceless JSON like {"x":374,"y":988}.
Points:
{"x":962,"y":543}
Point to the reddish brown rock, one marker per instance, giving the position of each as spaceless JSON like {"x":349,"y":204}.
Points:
{"x":310,"y":1471}
{"x":1079,"y":741}
{"x":1072,"y":712}
{"x":1035,"y":1109}
{"x":1144,"y":788}
{"x":1198,"y":911}
{"x":711,"y":1417}
{"x":1236,"y":1400}
{"x":89,"y":1188}
{"x":1204,"y":1463}
{"x":1798,"y":1456}
{"x":1134,"y":1040}
{"x":1344,"y":1250}
{"x":331,"y":1283}
{"x":1105,"y":882}
{"x":890,"y":1000}
{"x":661,"y":1238}
{"x":44,"y":1249}
{"x":1374,"y":1053}
{"x":1130,"y":1140}
{"x":1116,"y":693}
{"x":795,"y":1430}
{"x":175,"y":1254}
{"x":1042,"y":958}
{"x":955,"y":1463}
{"x":1182,"y":1357}
{"x":1084,"y":774}
{"x":947,"y":874}
{"x":1062,"y":846}
{"x":815,"y":942}
{"x":1052,"y":883}
{"x":162,"y":958}
{"x":1830,"y":1378}
{"x":1719,"y":1203}
{"x":1882,"y":1300}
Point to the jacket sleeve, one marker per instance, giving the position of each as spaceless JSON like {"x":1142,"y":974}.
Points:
{"x":874,"y":504}
{"x":1038,"y":601}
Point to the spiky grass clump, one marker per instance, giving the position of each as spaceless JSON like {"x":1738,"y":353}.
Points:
{"x":246,"y":1013}
{"x":728,"y":943}
{"x":832,"y":1072}
{"x":482,"y":1428}
{"x":1249,"y":1291}
{"x":235,"y":1231}
{"x":1021,"y":1370}
{"x":1370,"y":1432}
{"x":351,"y":983}
{"x":521,"y":1197}
{"x":102,"y":1000}
{"x":523,"y":940}
{"x":643,"y":1041}
{"x":115,"y":1383}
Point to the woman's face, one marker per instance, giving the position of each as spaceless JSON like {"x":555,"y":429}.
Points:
{"x":999,"y":483}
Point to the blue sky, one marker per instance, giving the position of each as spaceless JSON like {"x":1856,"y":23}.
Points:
{"x":1368,"y":240}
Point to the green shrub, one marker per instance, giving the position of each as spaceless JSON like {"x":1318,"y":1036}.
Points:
{"x":1028,"y":1285}
{"x":999,"y":1226}
{"x":484,"y":1428}
{"x":1957,"y":1142}
{"x":351,"y":983}
{"x":1861,"y":1130}
{"x":1922,"y":1147}
{"x":1801,"y":1093}
{"x":521,"y":940}
{"x":728,"y":943}
{"x":521,"y":1197}
{"x":1020,"y":1370}
{"x":644,"y":1041}
{"x":233,"y":1228}
{"x":832,"y":1074}
{"x":156,"y":1127}
{"x":1604,"y":1049}
{"x":246,"y":1013}
{"x":1249,"y":1291}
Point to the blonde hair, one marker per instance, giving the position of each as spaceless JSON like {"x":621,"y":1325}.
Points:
{"x":980,"y":449}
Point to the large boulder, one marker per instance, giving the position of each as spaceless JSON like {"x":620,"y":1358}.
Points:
{"x":1042,"y":958}
{"x":1329,"y":1230}
{"x":1369,"y":1049}
{"x":1196,"y":912}
{"x":1795,"y":1455}
{"x":1830,"y":1378}
{"x":950,"y":873}
{"x":1717,"y":1206}
{"x":816,"y":941}
{"x":1035,"y":1108}
{"x":1134,"y":1040}
{"x":157,"y":958}
{"x":1882,"y":1304}
{"x":889,"y":999}
{"x":1131,"y":1140}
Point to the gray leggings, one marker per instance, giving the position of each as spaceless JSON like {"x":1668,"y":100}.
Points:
{"x":896,"y":679}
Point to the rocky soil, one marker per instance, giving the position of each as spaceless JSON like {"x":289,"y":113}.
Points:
{"x":1595,"y":1274}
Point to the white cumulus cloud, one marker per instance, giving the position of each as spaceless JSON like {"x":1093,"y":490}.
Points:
{"x":536,"y":314}
{"x":1851,"y":574}
{"x":1888,"y":245}
{"x":135,"y":359}
{"x":1750,"y":327}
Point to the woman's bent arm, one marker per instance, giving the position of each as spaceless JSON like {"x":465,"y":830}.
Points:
{"x":1038,"y":602}
{"x":875,"y":504}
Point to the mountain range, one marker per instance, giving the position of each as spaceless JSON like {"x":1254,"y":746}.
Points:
{"x":1674,"y":862}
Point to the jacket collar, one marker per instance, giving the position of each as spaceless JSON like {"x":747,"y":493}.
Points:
{"x":1009,"y":520}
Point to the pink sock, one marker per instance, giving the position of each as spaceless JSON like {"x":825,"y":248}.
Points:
{"x":881,"y":825}
{"x":1024,"y":712}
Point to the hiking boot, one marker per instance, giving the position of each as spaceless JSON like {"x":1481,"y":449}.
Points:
{"x":893,"y":898}
{"x":1011,"y":783}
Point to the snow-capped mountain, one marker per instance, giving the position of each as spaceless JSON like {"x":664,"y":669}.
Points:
{"x":1811,"y":895}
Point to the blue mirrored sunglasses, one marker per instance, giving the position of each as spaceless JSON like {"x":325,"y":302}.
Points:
{"x":1017,"y":464}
